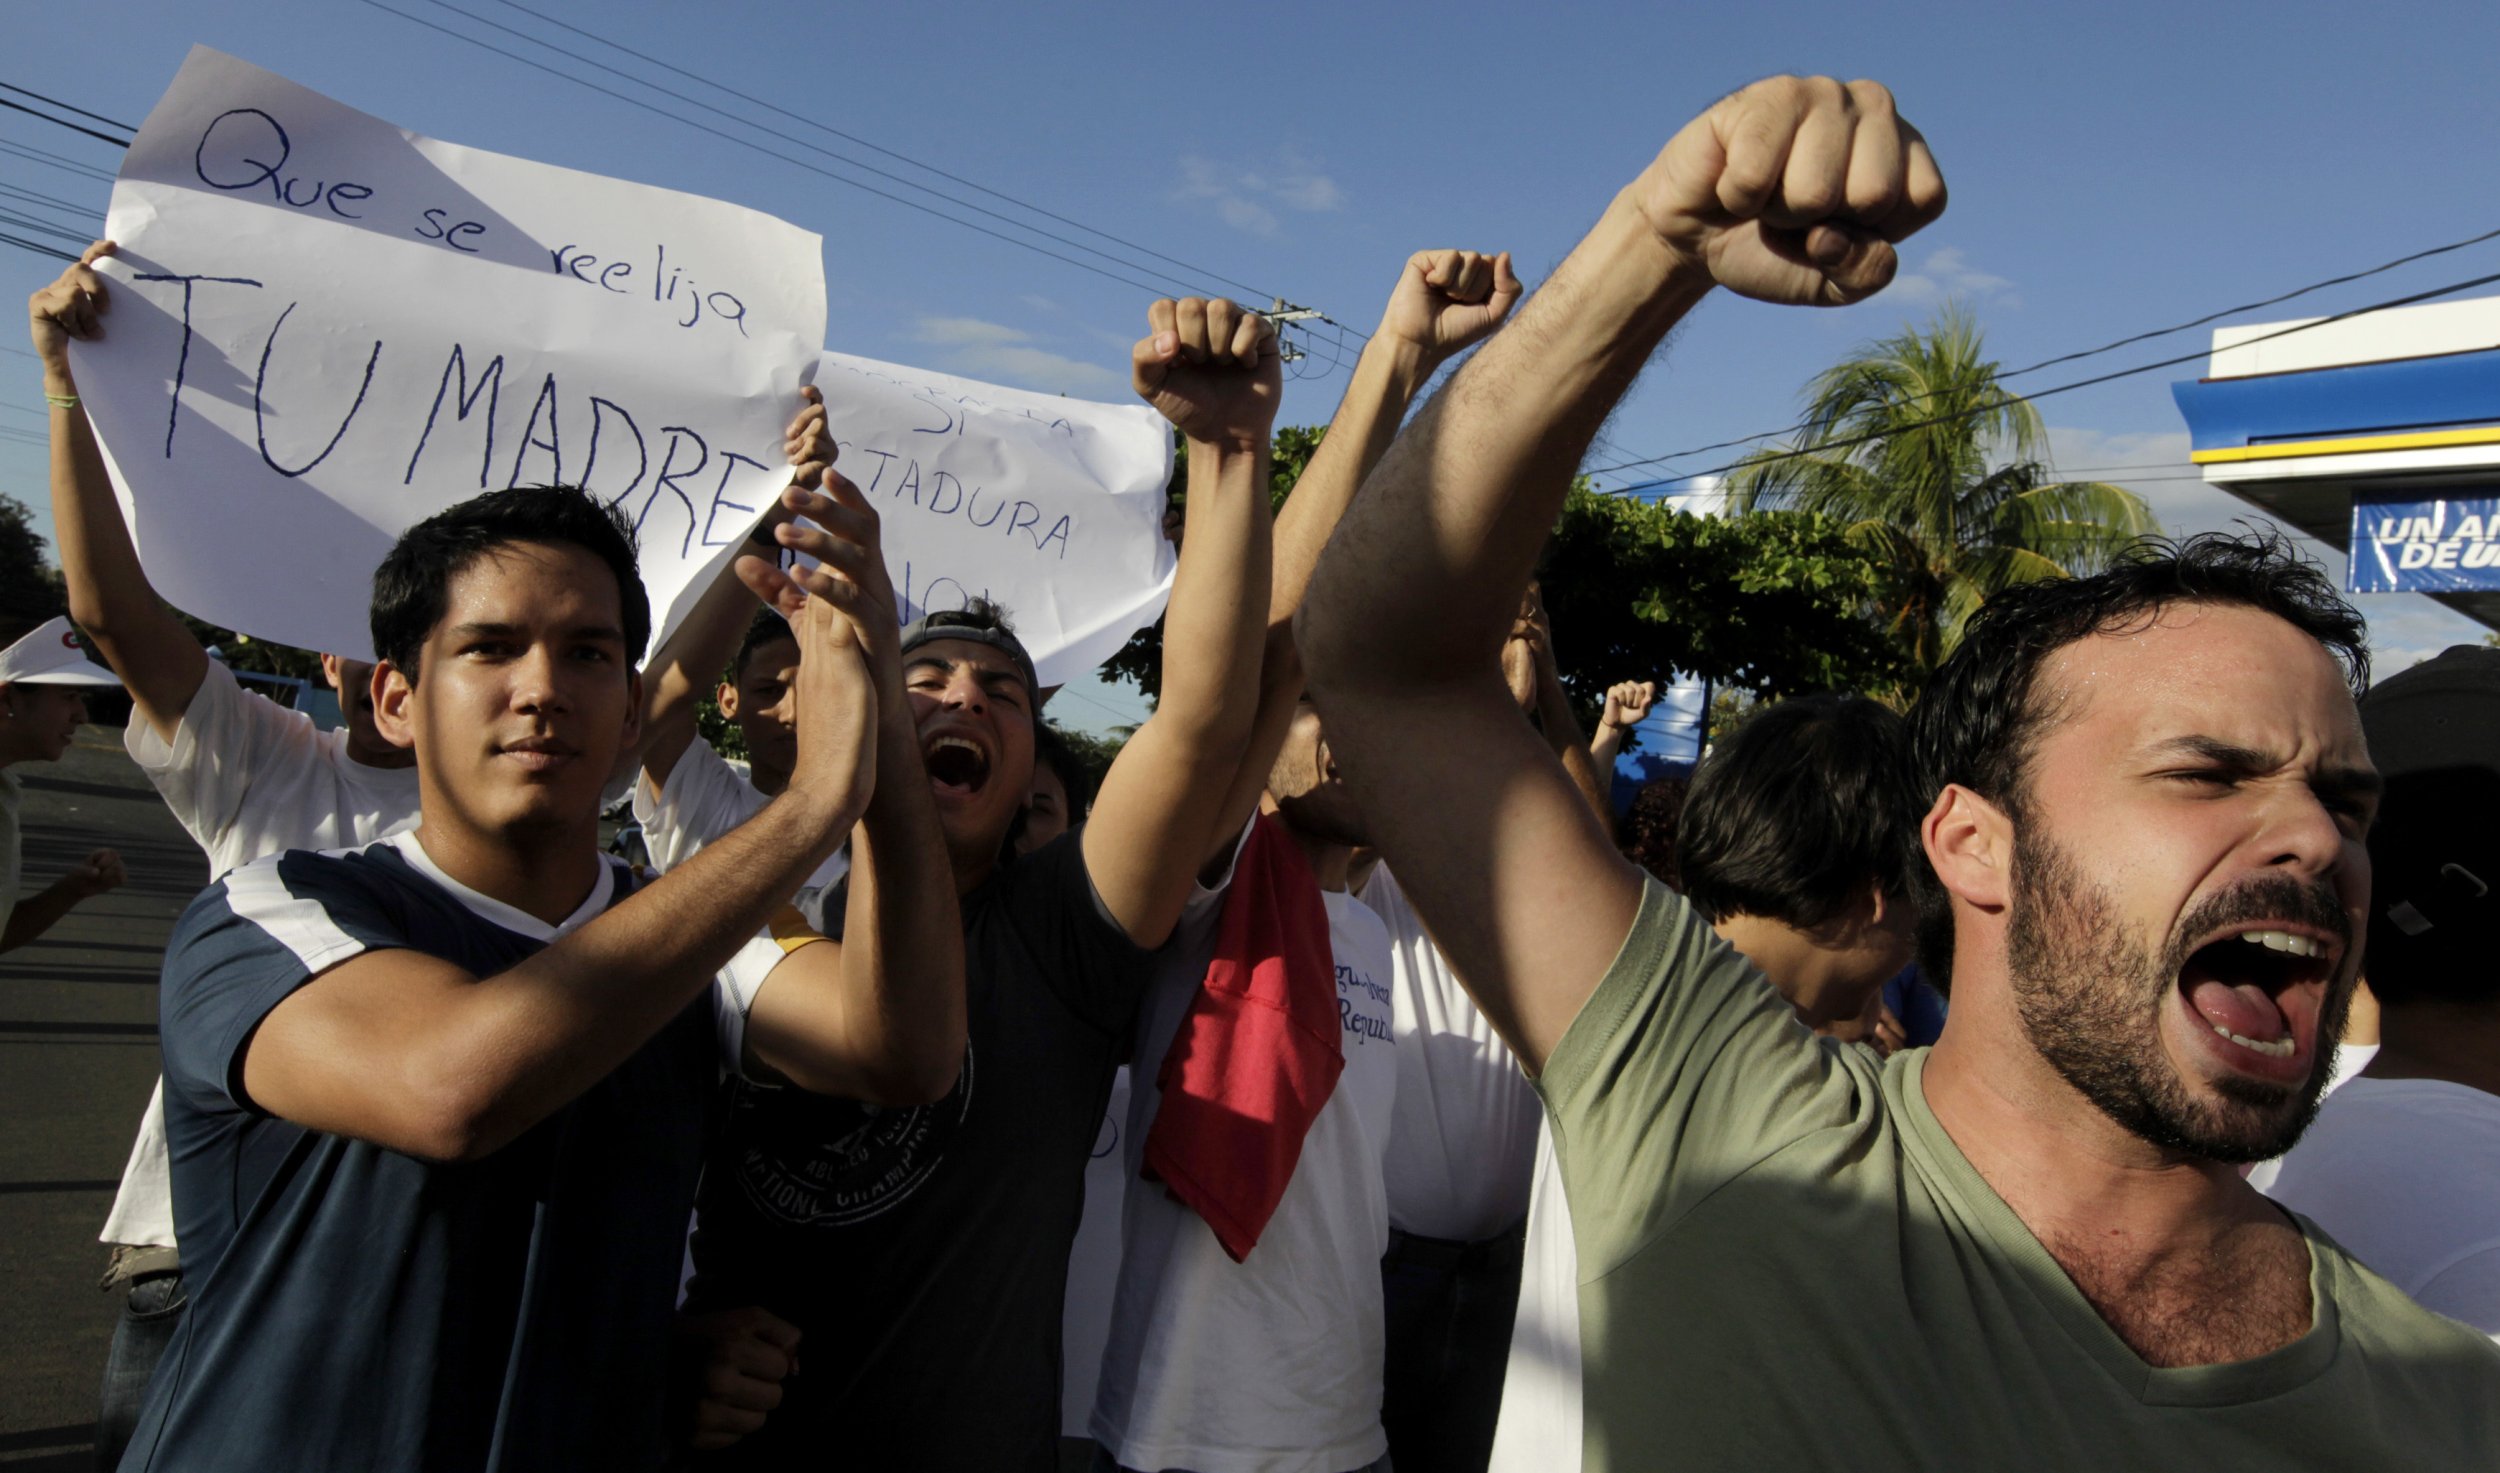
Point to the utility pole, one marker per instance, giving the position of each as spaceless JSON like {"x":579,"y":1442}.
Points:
{"x":1283,"y":314}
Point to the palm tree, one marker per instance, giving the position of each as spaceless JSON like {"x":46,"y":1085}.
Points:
{"x":1942,"y":474}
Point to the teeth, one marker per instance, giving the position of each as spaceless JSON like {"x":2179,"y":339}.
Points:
{"x":2280,"y":1048}
{"x":2284,"y":941}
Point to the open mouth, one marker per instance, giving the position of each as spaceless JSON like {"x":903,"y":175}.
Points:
{"x":958,"y":767}
{"x":2260,"y":989}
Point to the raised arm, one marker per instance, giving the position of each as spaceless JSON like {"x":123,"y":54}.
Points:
{"x":143,"y":640}
{"x":1444,"y":302}
{"x":684,"y":669}
{"x":1212,"y":370}
{"x":99,"y":872}
{"x":1789,"y":191}
{"x":1627,"y":704}
{"x":880,"y":1014}
{"x":413,"y":1053}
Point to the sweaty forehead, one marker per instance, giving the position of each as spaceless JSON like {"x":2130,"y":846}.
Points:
{"x":523,"y":581}
{"x":946,"y":654}
{"x":2221,"y":671}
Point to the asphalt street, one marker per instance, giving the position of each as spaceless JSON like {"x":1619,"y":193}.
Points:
{"x":77,"y":1057}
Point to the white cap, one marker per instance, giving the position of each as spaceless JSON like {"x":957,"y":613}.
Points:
{"x":52,"y":655}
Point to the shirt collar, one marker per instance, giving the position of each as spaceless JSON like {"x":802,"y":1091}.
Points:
{"x":487,"y":908}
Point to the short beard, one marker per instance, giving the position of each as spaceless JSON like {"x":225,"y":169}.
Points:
{"x":2091,"y":999}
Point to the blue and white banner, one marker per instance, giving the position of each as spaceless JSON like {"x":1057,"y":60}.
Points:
{"x":2418,"y":544}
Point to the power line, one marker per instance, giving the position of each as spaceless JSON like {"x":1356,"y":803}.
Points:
{"x":2085,"y":383}
{"x":53,"y":160}
{"x":66,"y":107}
{"x":844,"y":158}
{"x":816,"y":169}
{"x":40,"y":250}
{"x":64,"y":123}
{"x":43,"y":227}
{"x":34,"y":197}
{"x":2316,"y":286}
{"x":802,"y":118}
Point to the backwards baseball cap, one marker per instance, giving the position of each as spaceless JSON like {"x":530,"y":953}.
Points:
{"x":982,"y":623}
{"x":52,"y":655}
{"x":2434,"y":734}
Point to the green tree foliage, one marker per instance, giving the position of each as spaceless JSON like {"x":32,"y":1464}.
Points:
{"x":1940,"y":473}
{"x":1776,"y":602}
{"x":30,"y":591}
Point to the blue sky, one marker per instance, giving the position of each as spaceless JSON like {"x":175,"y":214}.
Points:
{"x":2115,"y":167}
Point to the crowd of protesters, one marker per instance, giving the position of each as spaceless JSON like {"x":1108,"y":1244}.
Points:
{"x":1336,"y":1083}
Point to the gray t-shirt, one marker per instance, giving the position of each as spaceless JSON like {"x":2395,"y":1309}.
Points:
{"x":1785,"y":1262}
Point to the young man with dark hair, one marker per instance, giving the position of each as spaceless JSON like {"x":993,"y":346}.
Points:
{"x":687,"y":794}
{"x":2403,"y":1164}
{"x":1783,"y":1242}
{"x":922,"y":1254}
{"x":436,"y":1105}
{"x":1260,"y":1345}
{"x":1797,"y":842}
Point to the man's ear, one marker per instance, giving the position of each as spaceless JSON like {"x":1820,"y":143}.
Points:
{"x":1970,"y":845}
{"x":633,"y":709}
{"x":724,"y":696}
{"x":392,"y":690}
{"x":330,"y":674}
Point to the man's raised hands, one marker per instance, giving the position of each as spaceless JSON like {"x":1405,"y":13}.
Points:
{"x":1793,"y":190}
{"x":1211,"y":369}
{"x":1447,"y":301}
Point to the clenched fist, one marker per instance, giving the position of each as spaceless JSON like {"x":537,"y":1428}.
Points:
{"x":1447,"y":301}
{"x":1794,"y":190}
{"x":1211,"y":369}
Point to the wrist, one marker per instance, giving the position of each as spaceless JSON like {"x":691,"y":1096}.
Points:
{"x":58,"y":383}
{"x":1228,"y":447}
{"x":1407,"y":363}
{"x":1637,"y":258}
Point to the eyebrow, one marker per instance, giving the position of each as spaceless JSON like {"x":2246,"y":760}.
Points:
{"x":489,"y":629}
{"x":986,"y":674}
{"x":2342,"y":779}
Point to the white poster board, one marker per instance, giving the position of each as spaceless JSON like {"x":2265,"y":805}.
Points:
{"x":1049,"y":507}
{"x":324,"y":329}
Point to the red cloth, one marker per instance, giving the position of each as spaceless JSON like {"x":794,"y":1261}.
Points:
{"x":1260,"y":1051}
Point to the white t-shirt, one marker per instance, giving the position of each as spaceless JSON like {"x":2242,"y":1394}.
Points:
{"x":703,"y":799}
{"x":2405,"y":1173}
{"x":1463,"y":1140}
{"x":1272,"y":1365}
{"x":1539,"y":1430}
{"x":246,"y":778}
{"x":2350,"y":1060}
{"x":1094,"y":1267}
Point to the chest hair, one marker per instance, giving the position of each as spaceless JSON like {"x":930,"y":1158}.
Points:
{"x":2237,"y":1298}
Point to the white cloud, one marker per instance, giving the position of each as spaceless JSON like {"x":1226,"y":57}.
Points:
{"x":967,"y":332}
{"x":1249,"y":196}
{"x":1946,"y":275}
{"x":1009,"y":355}
{"x":2404,"y":627}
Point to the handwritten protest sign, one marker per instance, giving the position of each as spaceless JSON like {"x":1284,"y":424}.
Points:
{"x":1050,"y":507}
{"x":324,"y":329}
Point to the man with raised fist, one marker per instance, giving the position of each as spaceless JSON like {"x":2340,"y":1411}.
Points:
{"x":2027,"y":1246}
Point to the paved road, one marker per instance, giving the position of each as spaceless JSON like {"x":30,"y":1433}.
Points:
{"x":77,"y":1055}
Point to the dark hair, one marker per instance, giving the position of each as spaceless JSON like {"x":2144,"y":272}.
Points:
{"x":1649,"y":828}
{"x":1800,"y":812}
{"x":1978,"y":721}
{"x":2434,"y":735}
{"x":767,"y":627}
{"x":413,"y":586}
{"x":1053,"y":750}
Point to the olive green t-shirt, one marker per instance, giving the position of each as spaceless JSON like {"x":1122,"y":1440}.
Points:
{"x":1785,"y":1262}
